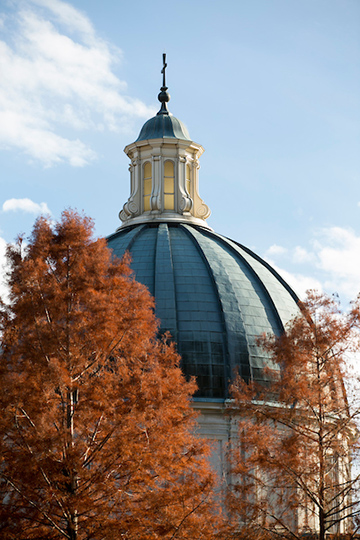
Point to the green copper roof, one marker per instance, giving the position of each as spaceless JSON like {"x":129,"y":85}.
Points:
{"x":163,"y":125}
{"x":213,"y":295}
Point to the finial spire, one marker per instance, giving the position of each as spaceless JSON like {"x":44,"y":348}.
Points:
{"x":163,"y":70}
{"x":164,"y":96}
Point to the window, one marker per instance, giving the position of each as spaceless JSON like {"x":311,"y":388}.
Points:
{"x":147,"y":186}
{"x":169,"y":185}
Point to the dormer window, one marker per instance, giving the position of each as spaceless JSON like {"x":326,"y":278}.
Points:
{"x":169,"y":185}
{"x":147,"y":186}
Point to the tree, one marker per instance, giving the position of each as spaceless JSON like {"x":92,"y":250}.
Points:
{"x":97,"y":431}
{"x":298,"y":433}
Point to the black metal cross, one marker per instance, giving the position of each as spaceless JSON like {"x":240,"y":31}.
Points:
{"x":163,"y":69}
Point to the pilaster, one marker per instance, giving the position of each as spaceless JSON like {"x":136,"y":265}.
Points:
{"x":188,"y":206}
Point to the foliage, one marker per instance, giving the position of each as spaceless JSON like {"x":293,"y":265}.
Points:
{"x":96,"y":433}
{"x":298,"y":434}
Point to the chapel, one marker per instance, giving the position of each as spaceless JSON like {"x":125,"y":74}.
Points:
{"x":212,"y":294}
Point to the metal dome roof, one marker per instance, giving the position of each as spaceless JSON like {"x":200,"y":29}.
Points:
{"x":213,"y":295}
{"x":163,"y":125}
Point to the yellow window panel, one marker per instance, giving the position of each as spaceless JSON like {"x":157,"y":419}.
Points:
{"x":147,"y":187}
{"x":146,"y":204}
{"x":169,"y":168}
{"x":168,"y":185}
{"x":147,"y":170}
{"x":169,"y":201}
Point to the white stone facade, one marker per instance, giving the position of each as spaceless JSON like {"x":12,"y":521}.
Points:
{"x":184,"y":157}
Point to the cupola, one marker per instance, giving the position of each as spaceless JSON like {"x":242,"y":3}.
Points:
{"x":164,"y":171}
{"x":213,"y":295}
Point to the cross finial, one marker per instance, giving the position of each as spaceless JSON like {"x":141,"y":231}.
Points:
{"x":164,"y":96}
{"x":163,"y":70}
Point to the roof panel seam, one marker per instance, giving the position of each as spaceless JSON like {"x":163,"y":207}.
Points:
{"x":231,"y":361}
{"x":227,"y":242}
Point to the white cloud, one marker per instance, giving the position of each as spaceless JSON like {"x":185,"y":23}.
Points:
{"x":338,"y":254}
{"x":330,"y":263}
{"x":300,"y":283}
{"x":70,"y":16}
{"x":275,"y":250}
{"x":301,"y":255}
{"x":25,"y":205}
{"x":57,"y":76}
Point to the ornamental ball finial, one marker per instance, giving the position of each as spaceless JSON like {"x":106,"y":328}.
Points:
{"x":164,"y":96}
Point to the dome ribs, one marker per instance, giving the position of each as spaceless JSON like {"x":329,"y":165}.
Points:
{"x":258,"y":311}
{"x":258,"y":283}
{"x":214,"y":297}
{"x":123,"y":240}
{"x":164,"y":286}
{"x":269,"y":267}
{"x":201,"y":327}
{"x":163,"y":126}
{"x":273,"y":282}
{"x":140,"y":241}
{"x":237,"y":342}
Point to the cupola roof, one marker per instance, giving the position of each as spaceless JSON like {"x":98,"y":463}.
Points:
{"x":164,"y":124}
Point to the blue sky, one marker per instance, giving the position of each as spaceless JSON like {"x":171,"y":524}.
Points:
{"x":270,"y":88}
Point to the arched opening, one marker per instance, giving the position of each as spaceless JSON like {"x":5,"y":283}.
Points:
{"x":169,"y":185}
{"x":147,"y":186}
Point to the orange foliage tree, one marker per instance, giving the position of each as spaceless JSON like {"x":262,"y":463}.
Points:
{"x":298,"y":433}
{"x":96,"y":431}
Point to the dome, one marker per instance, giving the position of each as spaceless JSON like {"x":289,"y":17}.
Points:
{"x":163,"y":125}
{"x":213,"y":295}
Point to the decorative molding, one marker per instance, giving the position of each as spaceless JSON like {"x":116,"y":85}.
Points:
{"x":203,"y":211}
{"x":189,"y":207}
{"x":186,"y":203}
